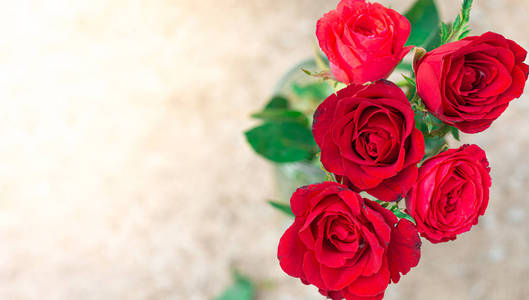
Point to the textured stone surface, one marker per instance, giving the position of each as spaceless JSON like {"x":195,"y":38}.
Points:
{"x":124,"y":173}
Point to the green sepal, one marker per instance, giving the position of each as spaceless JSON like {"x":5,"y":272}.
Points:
{"x":402,"y":215}
{"x":405,"y":66}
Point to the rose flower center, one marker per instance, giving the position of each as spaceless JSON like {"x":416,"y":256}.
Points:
{"x":343,"y":236}
{"x":373,"y":144}
{"x":472,"y":79}
{"x":368,"y":26}
{"x":451,"y":201}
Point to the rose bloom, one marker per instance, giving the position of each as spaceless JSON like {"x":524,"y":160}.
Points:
{"x":367,"y":135}
{"x":347,"y":246}
{"x":363,"y":41}
{"x":469,"y":83}
{"x":451,"y":192}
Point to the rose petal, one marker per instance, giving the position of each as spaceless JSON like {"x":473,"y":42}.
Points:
{"x":291,"y":250}
{"x":404,"y":249}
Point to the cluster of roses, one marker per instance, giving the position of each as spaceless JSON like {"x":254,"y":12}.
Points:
{"x":352,"y":247}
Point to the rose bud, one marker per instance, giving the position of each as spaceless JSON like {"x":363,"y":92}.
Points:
{"x":451,"y":192}
{"x":368,"y":138}
{"x":363,"y":41}
{"x":469,"y":83}
{"x":347,"y":246}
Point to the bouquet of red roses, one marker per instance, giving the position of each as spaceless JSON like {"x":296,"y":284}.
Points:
{"x":382,"y":145}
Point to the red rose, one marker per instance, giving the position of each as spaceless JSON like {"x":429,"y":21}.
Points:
{"x":347,"y":246}
{"x":367,"y":134}
{"x":363,"y":41}
{"x":451,"y":192}
{"x":469,"y":83}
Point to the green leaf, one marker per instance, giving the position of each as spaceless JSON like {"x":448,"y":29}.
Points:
{"x":383,"y":203}
{"x":284,"y":208}
{"x":417,"y":104}
{"x":282,"y":115}
{"x":455,"y":133}
{"x":464,"y":34}
{"x":428,"y":121}
{"x":314,"y":91}
{"x":433,"y":145}
{"x":434,"y":40}
{"x":439,"y":129}
{"x":459,"y":28}
{"x":457,"y":22}
{"x":405,"y":66}
{"x":241,"y":289}
{"x":398,"y":211}
{"x":277,"y":102}
{"x":424,"y":20}
{"x":282,"y":142}
{"x":445,"y":32}
{"x":465,"y":9}
{"x":410,"y":81}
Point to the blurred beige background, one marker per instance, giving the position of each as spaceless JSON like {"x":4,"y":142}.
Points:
{"x":124,"y":173}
